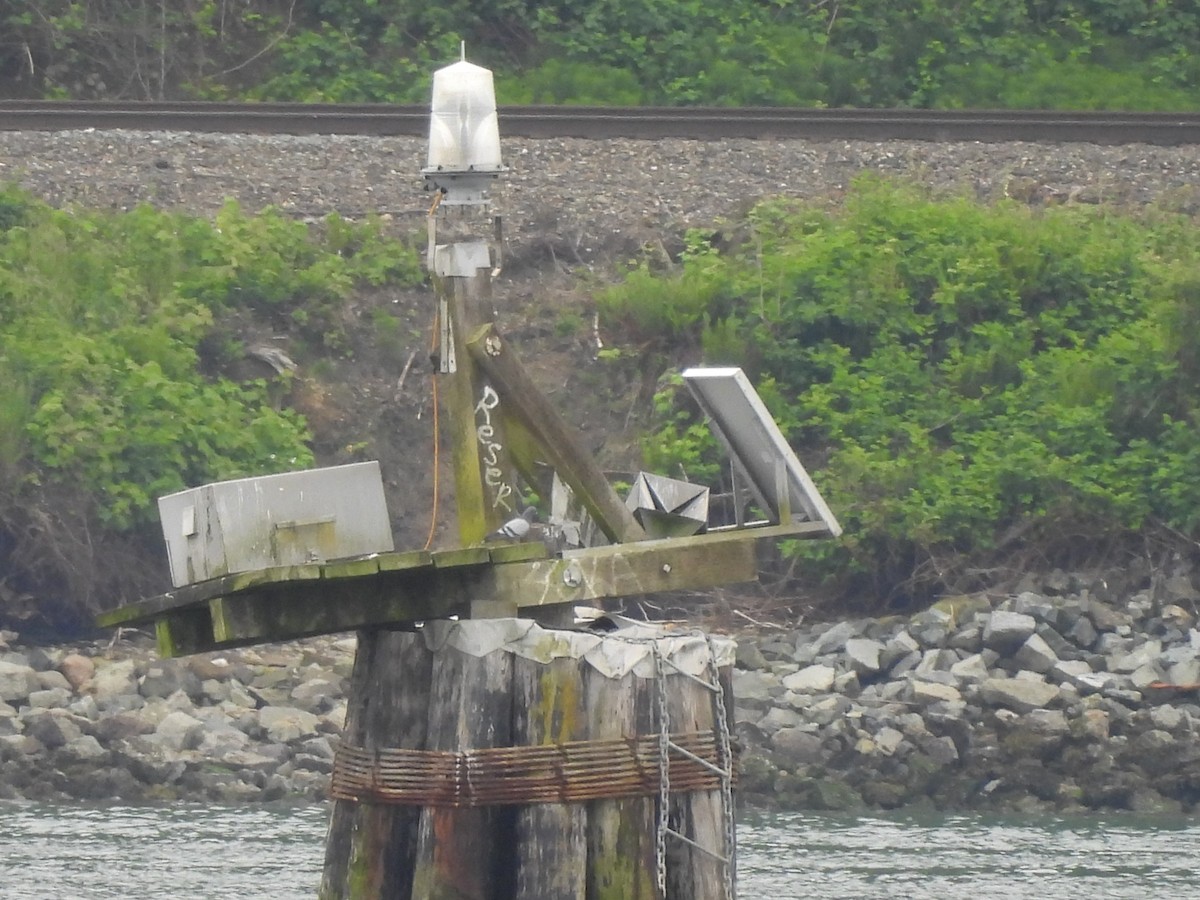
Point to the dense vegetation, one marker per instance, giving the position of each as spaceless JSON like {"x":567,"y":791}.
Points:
{"x":969,"y":382}
{"x":1065,"y":54}
{"x":113,"y":331}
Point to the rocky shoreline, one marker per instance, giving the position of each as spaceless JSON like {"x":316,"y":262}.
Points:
{"x":1064,"y":698}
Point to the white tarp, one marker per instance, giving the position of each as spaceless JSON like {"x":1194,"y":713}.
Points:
{"x":629,"y":648}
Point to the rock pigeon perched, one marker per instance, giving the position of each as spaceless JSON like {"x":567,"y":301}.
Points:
{"x":515,"y":529}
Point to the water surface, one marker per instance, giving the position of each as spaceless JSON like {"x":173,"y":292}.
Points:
{"x":50,"y":851}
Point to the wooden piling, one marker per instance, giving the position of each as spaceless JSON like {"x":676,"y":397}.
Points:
{"x":620,"y":832}
{"x":497,"y":759}
{"x":693,"y":873}
{"x":459,"y":851}
{"x":551,"y":838}
{"x":370,"y":849}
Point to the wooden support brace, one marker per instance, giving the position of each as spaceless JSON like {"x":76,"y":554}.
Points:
{"x":561,"y":448}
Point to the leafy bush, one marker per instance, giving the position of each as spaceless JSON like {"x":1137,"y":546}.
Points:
{"x":104,"y":405}
{"x":1090,"y":54}
{"x":964,"y":374}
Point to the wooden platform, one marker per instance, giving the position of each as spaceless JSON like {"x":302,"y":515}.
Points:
{"x":288,"y":602}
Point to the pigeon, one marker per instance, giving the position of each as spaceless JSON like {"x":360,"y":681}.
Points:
{"x":517,"y":529}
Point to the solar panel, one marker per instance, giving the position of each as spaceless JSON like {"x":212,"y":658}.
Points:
{"x":741,"y":421}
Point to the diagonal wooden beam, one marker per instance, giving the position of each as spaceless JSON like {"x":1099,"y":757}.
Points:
{"x":561,"y":448}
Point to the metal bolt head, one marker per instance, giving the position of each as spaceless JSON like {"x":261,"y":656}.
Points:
{"x":571,"y":576}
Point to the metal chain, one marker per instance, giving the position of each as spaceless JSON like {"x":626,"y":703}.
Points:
{"x":725,"y":749}
{"x":664,"y":778}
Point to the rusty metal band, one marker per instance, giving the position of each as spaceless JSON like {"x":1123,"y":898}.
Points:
{"x":553,"y":773}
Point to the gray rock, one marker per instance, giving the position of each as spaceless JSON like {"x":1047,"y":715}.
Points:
{"x":55,"y":698}
{"x":834,"y":639}
{"x":1040,"y":608}
{"x":1144,"y":654}
{"x":17,"y":681}
{"x":749,"y":656}
{"x":941,"y":750}
{"x":927,"y":692}
{"x":968,"y":638}
{"x":52,"y":728}
{"x":1006,"y":631}
{"x":794,"y":747}
{"x":810,"y":680}
{"x":287,"y":723}
{"x":935,"y":661}
{"x":1018,"y":694}
{"x":113,"y":679}
{"x":84,"y":748}
{"x":1083,"y":633}
{"x":167,"y":678}
{"x":52,"y":679}
{"x":906,"y":664}
{"x":179,"y":731}
{"x":971,"y":670}
{"x":897,"y":648}
{"x":316,"y":695}
{"x":1186,"y":672}
{"x":1036,"y":655}
{"x":748,"y":687}
{"x":1144,"y":676}
{"x":888,"y":740}
{"x":864,"y":655}
{"x":220,"y":740}
{"x":778,"y":718}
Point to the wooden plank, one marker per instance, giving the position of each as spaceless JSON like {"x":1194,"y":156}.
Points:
{"x":201,"y":592}
{"x":485,"y":485}
{"x":518,"y":552}
{"x":461,"y":556}
{"x":558,"y":443}
{"x":620,"y":833}
{"x":550,"y":838}
{"x":183,"y":632}
{"x":409,"y":559}
{"x":298,"y":609}
{"x":336,"y":606}
{"x":350,"y":568}
{"x":698,"y":815}
{"x":466,"y":854}
{"x":370,"y":849}
{"x":643,"y":568}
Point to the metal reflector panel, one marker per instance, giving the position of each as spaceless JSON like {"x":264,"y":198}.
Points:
{"x":740,"y":420}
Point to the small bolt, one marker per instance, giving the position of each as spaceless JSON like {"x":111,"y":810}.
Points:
{"x":572,"y":577}
{"x":666,"y":568}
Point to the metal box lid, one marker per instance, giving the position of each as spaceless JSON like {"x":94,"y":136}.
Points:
{"x":275,"y":520}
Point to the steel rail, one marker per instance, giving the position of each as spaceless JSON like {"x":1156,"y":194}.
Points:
{"x":701,"y":123}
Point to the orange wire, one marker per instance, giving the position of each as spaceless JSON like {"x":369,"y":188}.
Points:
{"x":436,"y":463}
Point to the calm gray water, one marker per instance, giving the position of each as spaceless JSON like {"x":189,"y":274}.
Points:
{"x":182,"y":852}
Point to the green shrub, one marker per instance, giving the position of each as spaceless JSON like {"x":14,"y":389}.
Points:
{"x":103,"y":402}
{"x":962,"y":373}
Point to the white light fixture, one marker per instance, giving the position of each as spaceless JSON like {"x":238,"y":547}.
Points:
{"x":464,"y":135}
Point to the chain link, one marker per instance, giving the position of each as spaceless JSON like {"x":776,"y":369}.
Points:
{"x":725,"y":749}
{"x":664,"y":778}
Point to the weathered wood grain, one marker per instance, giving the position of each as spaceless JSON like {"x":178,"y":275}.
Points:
{"x":465,"y":854}
{"x":371,"y":848}
{"x":551,"y":838}
{"x":620,"y":833}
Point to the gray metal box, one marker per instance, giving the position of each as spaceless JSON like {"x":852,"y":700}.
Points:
{"x":275,"y":520}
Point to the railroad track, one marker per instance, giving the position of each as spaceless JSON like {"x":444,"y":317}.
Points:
{"x":609,"y":122}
